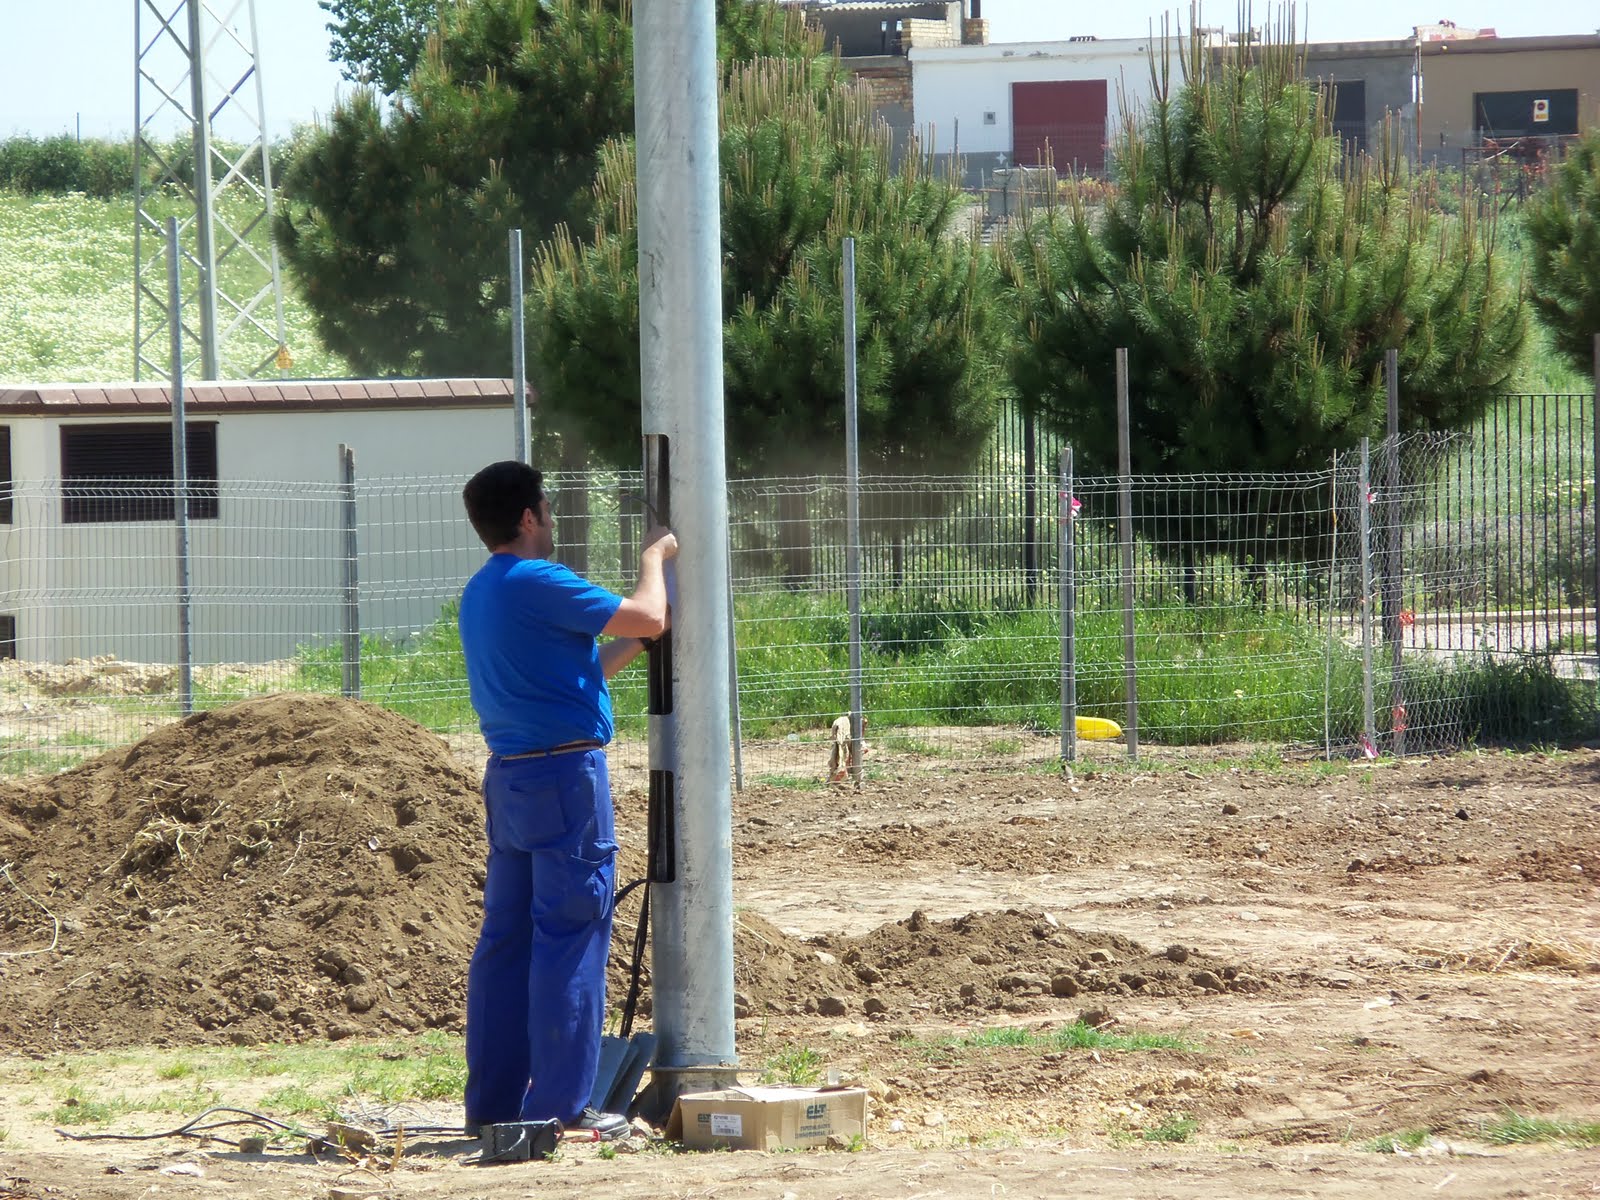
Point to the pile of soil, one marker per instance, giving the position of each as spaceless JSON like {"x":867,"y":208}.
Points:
{"x":299,"y":866}
{"x":287,"y":867}
{"x":290,"y":866}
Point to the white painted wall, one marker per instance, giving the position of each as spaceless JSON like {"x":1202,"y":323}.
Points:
{"x":963,"y":83}
{"x":266,"y":574}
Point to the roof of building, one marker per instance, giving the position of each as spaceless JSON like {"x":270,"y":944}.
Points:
{"x":1511,"y":45}
{"x":313,"y":395}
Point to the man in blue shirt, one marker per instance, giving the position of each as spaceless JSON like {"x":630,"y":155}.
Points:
{"x":536,"y":986}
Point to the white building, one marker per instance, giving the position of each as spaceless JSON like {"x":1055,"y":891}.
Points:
{"x":88,"y":543}
{"x":1025,"y":104}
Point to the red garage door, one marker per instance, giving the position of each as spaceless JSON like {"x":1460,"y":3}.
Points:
{"x":1062,"y":122}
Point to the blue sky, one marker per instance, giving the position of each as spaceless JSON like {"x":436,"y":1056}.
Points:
{"x":71,"y":62}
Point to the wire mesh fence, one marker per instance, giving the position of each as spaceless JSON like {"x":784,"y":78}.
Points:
{"x":1436,"y":591}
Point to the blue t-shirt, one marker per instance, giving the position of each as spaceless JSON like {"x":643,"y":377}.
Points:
{"x":528,"y":630}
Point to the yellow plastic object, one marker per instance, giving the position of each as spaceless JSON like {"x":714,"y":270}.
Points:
{"x":1098,"y":729}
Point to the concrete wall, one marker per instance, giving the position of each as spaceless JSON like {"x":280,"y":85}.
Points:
{"x":1385,"y":67}
{"x":266,"y":574}
{"x":1453,"y":72}
{"x":971,"y":85}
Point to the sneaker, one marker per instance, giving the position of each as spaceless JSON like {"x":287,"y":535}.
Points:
{"x":607,"y":1126}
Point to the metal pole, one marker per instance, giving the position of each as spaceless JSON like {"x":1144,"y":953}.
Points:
{"x":852,"y":507}
{"x":733,"y":682}
{"x":205,"y":250}
{"x":180,"y":476}
{"x":676,"y":84}
{"x":1594,"y":497}
{"x":1130,"y":669}
{"x":1030,"y":506}
{"x":267,"y":196}
{"x":1069,"y":615}
{"x":1333,"y":570}
{"x":138,"y":194}
{"x":1394,"y":589}
{"x":519,"y":353}
{"x":1364,"y":501}
{"x":350,"y":660}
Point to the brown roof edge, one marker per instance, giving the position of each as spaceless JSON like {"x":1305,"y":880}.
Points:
{"x":309,"y":395}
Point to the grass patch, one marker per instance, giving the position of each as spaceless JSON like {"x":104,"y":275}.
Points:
{"x":799,"y":1065}
{"x":313,"y":1079}
{"x":1076,"y":1036}
{"x":794,"y":783}
{"x":1513,"y":1129}
{"x":1389,"y":1143}
{"x":1174,"y":1130}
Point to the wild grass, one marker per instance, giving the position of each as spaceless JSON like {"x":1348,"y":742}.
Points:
{"x":1512,"y":1128}
{"x":1390,"y":1143}
{"x":1076,"y":1036}
{"x":799,"y":1065}
{"x":316,"y":1079}
{"x":68,"y":262}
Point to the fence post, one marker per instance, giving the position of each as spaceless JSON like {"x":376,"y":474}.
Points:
{"x":1130,"y":667}
{"x":1364,"y":484}
{"x":350,"y":659}
{"x":1069,"y":615}
{"x":1333,"y":572}
{"x":733,"y":681}
{"x":180,"y":471}
{"x":519,"y":354}
{"x":852,"y":460}
{"x":1393,"y":582}
{"x":1594,"y":497}
{"x":1030,"y":506}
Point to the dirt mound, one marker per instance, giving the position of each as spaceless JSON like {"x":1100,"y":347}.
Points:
{"x":287,"y":867}
{"x":1014,"y":961}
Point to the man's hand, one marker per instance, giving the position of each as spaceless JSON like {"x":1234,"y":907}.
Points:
{"x":663,"y":541}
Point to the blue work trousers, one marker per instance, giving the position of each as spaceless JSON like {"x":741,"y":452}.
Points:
{"x":536,"y":989}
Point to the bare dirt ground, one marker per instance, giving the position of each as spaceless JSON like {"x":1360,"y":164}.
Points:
{"x":1346,"y":953}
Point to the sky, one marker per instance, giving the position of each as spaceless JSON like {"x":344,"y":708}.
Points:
{"x":68,"y":66}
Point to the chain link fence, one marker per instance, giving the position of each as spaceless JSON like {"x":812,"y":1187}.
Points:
{"x":1438,"y":591}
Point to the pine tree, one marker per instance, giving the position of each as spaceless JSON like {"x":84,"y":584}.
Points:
{"x":1256,"y":278}
{"x":1562,"y":223}
{"x":397,"y":213}
{"x":803,"y":166}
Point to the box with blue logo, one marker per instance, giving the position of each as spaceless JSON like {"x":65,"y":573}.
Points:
{"x":770,"y":1118}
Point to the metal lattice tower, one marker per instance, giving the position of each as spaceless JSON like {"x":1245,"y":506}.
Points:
{"x":198,"y":75}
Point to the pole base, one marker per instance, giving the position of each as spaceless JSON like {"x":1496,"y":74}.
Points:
{"x":655,"y":1103}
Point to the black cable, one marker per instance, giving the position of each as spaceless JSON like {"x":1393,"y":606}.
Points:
{"x":190,"y":1128}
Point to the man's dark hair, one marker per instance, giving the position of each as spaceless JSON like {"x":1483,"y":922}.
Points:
{"x":497,"y":496}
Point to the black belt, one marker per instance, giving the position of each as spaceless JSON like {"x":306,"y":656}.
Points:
{"x":564,"y":748}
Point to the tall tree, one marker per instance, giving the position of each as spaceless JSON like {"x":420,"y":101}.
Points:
{"x":1562,"y":222}
{"x":379,"y":41}
{"x":1257,"y":279}
{"x":803,"y":166}
{"x":397,"y":213}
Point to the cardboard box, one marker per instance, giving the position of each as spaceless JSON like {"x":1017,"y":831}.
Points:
{"x":768,"y":1118}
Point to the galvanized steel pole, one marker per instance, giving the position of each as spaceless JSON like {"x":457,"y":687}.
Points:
{"x":1364,"y":500}
{"x":852,"y":506}
{"x":1393,"y":583}
{"x":205,"y":245}
{"x":519,"y":354}
{"x":676,"y":85}
{"x":1130,"y":665}
{"x":1069,"y":614}
{"x":180,"y":474}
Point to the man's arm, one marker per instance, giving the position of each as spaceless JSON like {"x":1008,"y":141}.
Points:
{"x":644,"y":614}
{"x":616,"y":654}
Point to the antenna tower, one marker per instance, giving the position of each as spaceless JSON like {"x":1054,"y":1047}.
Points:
{"x":201,"y":139}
